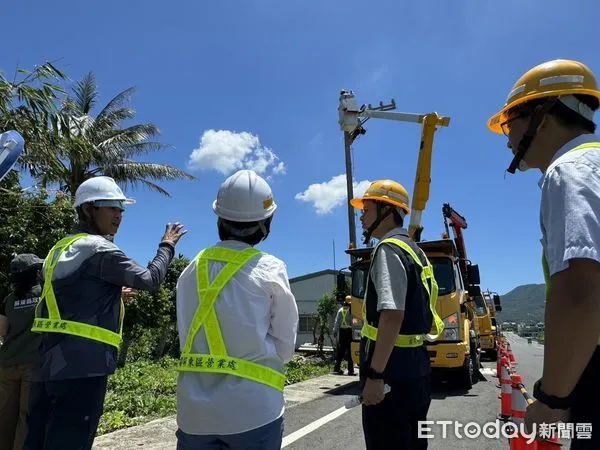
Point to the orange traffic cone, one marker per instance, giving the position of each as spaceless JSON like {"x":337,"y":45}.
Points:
{"x":499,"y":364}
{"x":513,"y":360}
{"x":505,"y":392}
{"x":518,"y":409}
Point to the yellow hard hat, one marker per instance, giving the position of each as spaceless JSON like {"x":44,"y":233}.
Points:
{"x":386,"y":191}
{"x":550,"y":79}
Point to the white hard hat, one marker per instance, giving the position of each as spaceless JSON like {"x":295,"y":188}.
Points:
{"x":101,"y":189}
{"x":244,"y":197}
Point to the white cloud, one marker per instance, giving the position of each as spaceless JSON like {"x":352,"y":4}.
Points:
{"x":327,"y":196}
{"x":227,"y":151}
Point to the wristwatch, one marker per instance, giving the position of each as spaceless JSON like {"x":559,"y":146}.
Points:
{"x":551,"y":401}
{"x":373,"y":374}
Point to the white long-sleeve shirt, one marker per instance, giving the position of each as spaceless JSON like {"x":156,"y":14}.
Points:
{"x":258,"y":316}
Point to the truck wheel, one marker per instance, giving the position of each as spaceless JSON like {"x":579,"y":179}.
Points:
{"x":493,"y":354}
{"x":467,"y":373}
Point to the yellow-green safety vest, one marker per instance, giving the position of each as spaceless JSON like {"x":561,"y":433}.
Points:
{"x":54,"y":323}
{"x":411,"y":340}
{"x":344,"y":323}
{"x":544,"y":260}
{"x":217,"y":360}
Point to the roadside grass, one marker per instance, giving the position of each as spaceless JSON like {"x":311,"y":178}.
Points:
{"x":145,"y":390}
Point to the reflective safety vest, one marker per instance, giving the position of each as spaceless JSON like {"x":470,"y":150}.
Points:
{"x":410,"y":340}
{"x":544,"y":260}
{"x":217,"y":360}
{"x":54,"y":323}
{"x":344,"y":322}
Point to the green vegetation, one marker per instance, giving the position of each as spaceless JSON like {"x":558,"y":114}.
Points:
{"x":145,"y":390}
{"x":524,"y":303}
{"x":25,"y":217}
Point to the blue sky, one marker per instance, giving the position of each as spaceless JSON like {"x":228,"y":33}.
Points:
{"x":273,"y":71}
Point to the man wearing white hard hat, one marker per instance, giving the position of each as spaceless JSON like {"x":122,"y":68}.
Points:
{"x":80,"y":317}
{"x":237,"y":321}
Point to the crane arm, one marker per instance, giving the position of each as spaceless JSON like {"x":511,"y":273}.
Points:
{"x":423,"y":177}
{"x":458,"y":223}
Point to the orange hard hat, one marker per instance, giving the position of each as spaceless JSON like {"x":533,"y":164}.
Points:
{"x":550,"y":79}
{"x":385,"y":191}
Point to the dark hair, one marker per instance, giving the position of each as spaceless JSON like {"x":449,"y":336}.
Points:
{"x":563,"y":113}
{"x":252,"y":239}
{"x":23,"y":281}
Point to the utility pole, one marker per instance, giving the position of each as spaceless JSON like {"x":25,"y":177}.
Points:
{"x":349,"y":187}
{"x":351,"y":119}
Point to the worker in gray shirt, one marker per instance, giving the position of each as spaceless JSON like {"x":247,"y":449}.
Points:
{"x":398,"y":314}
{"x":80,"y":317}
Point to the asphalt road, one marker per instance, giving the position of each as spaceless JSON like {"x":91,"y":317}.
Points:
{"x":307,"y":425}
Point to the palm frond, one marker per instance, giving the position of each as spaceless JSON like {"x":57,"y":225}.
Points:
{"x":86,"y":93}
{"x":133,"y":169}
{"x":112,"y":120}
{"x":134,"y":174}
{"x":117,"y":102}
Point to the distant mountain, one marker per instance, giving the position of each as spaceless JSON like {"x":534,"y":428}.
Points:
{"x":523,"y":304}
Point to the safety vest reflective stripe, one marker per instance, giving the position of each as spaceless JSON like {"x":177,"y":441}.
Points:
{"x":197,"y":362}
{"x":54,"y":323}
{"x":412,"y":340}
{"x":545,"y":267}
{"x":217,"y":360}
{"x":344,"y":312}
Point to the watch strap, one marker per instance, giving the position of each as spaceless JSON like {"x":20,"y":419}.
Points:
{"x":551,"y":401}
{"x":374,"y":375}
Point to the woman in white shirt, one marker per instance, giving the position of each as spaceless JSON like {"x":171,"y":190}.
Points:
{"x":237,"y":320}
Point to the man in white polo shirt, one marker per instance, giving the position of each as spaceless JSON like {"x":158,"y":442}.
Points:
{"x":548,"y":119}
{"x":237,"y":321}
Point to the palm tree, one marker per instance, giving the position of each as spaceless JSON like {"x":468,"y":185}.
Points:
{"x":28,"y":105}
{"x":100,"y":145}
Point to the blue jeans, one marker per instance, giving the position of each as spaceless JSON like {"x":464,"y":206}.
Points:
{"x":267,"y":437}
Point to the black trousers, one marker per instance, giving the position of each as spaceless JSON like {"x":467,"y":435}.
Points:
{"x":344,"y":349}
{"x":393,"y":423}
{"x":586,"y":410}
{"x":64,"y":414}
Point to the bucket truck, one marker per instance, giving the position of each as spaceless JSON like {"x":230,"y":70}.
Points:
{"x":442,"y":254}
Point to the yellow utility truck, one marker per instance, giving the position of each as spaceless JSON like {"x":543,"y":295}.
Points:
{"x":457,"y":349}
{"x":456,"y":353}
{"x":488,"y":325}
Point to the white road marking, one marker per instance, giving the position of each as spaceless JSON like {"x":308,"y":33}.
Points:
{"x":293,"y":437}
{"x":488,"y":371}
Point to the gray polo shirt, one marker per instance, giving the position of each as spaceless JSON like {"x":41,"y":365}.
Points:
{"x":389,"y":275}
{"x":570,"y":205}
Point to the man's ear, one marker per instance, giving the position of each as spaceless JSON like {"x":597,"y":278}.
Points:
{"x":86,"y":208}
{"x":548,"y":122}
